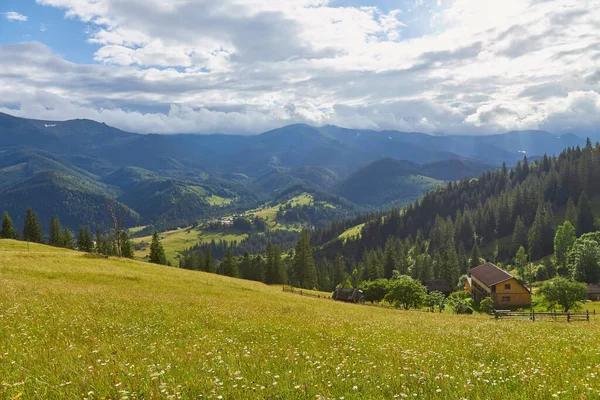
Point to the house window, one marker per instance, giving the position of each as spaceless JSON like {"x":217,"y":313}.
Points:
{"x":507,"y":286}
{"x":506,"y":299}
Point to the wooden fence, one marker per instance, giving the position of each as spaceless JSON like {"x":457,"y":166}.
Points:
{"x":534,"y":315}
{"x":303,"y":293}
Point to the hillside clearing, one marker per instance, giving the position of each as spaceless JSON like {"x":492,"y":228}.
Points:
{"x":74,"y":325}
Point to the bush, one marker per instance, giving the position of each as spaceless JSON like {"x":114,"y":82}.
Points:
{"x":461,"y":302}
{"x":487,"y":305}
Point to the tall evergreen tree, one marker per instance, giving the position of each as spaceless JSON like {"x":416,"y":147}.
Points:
{"x":273,"y":273}
{"x":246,"y":267}
{"x":571,"y":214}
{"x":67,"y":239}
{"x":258,"y":266}
{"x":126,"y":246}
{"x":585,"y":217}
{"x":32,"y":228}
{"x":56,"y":238}
{"x":230,"y":267}
{"x":157,"y":252}
{"x":209,"y":262}
{"x":390,"y":259}
{"x":8,"y":230}
{"x":84,"y":240}
{"x":519,"y":237}
{"x":475,"y":256}
{"x":304,"y":270}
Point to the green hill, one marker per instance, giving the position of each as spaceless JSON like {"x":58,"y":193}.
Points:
{"x":97,"y":328}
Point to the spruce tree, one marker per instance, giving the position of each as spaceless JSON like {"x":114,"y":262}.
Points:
{"x":475,"y":256}
{"x":273,"y":267}
{"x":8,"y":230}
{"x":209,"y":262}
{"x":157,"y":253}
{"x":67,"y":239}
{"x":56,"y":238}
{"x":571,"y":214}
{"x":230,"y":267}
{"x":519,"y":237}
{"x":258,"y":267}
{"x":563,"y":243}
{"x":32,"y":229}
{"x":126,"y":246}
{"x":246,"y":267}
{"x":585,"y":217}
{"x":390,"y":259}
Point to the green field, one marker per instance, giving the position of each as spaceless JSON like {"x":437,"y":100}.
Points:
{"x":352,"y":232}
{"x":181,"y":239}
{"x":78,"y":326}
{"x":269,"y":213}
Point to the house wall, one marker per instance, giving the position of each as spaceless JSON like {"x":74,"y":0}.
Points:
{"x":518,"y":294}
{"x":479,"y":290}
{"x":594,"y":296}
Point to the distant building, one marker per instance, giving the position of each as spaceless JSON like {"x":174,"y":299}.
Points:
{"x":488,"y":280}
{"x":440,"y":285}
{"x":593,"y":292}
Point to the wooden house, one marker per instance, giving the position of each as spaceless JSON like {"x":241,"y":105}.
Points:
{"x":593,"y":292}
{"x":488,"y":280}
{"x":440,"y":285}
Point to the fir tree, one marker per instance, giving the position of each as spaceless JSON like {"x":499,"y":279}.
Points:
{"x":8,"y":230}
{"x":563,"y":243}
{"x":304,"y":271}
{"x":67,"y":239}
{"x":273,"y":268}
{"x":475,"y":259}
{"x":84,"y":240}
{"x":585,"y":217}
{"x":571,"y":214}
{"x":230,"y":267}
{"x":157,"y":253}
{"x":126,"y":246}
{"x":519,"y":236}
{"x":56,"y":238}
{"x":390,"y":259}
{"x":209,"y":262}
{"x":32,"y":229}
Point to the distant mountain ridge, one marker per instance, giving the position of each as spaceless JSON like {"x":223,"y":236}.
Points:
{"x":164,"y":178}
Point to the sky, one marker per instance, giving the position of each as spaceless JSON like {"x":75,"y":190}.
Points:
{"x":248,"y":66}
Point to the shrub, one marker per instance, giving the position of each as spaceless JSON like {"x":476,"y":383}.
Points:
{"x":487,"y":305}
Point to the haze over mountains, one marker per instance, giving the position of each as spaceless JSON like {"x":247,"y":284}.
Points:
{"x":68,"y":168}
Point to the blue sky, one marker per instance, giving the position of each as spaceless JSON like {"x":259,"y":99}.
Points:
{"x":245,"y":66}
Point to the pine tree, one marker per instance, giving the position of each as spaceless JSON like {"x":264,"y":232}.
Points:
{"x":8,"y":230}
{"x":273,"y":268}
{"x":521,"y":260}
{"x":475,"y":256}
{"x":304,"y":270}
{"x":585,"y":217}
{"x":126,"y":246}
{"x":84,"y":240}
{"x":390,"y":259}
{"x":519,"y":237}
{"x":67,"y":239}
{"x":339,"y":271}
{"x":56,"y":238}
{"x":32,"y":229}
{"x":571,"y":214}
{"x":534,"y":238}
{"x":157,"y":253}
{"x":246,"y":267}
{"x":230,"y":267}
{"x":258,"y":268}
{"x":209,"y":262}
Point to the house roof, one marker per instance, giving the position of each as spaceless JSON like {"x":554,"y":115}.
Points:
{"x":593,"y":288}
{"x":489,"y":274}
{"x":441,"y":285}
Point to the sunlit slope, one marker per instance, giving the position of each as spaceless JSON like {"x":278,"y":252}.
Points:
{"x":75,"y":326}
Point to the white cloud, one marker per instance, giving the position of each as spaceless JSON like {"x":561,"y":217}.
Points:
{"x":43,"y":28}
{"x":249,"y":65}
{"x":14,"y":16}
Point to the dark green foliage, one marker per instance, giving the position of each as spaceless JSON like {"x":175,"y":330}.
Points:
{"x":585,"y":217}
{"x":209,"y":262}
{"x":32,"y":228}
{"x":56,"y":238}
{"x":563,"y":243}
{"x":460,"y":302}
{"x":8,"y":230}
{"x":157,"y":253}
{"x":487,"y":305}
{"x":304,"y":272}
{"x":273,"y":272}
{"x":435,"y":299}
{"x":564,"y":293}
{"x":230,"y":267}
{"x":584,"y":260}
{"x":84,"y":240}
{"x":475,"y":256}
{"x":126,"y":246}
{"x":406,"y":293}
{"x":67,"y":239}
{"x":375,"y":291}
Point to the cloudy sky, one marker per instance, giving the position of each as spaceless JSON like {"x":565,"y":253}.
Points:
{"x":246,"y":66}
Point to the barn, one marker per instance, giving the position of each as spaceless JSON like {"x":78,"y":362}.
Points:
{"x":593,"y":292}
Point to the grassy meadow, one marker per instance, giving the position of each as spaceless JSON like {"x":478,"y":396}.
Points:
{"x":78,"y":326}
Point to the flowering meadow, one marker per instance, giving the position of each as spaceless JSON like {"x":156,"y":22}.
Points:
{"x":77,"y":326}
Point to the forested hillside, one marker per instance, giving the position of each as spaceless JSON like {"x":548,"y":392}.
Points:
{"x":493,"y":216}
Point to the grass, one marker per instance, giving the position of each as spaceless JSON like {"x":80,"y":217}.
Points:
{"x":352,"y":232}
{"x":215,"y":200}
{"x":270,"y":213}
{"x":75,"y":326}
{"x":180,"y":239}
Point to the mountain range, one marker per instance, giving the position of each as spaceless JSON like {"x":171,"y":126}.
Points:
{"x":69,"y":168}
